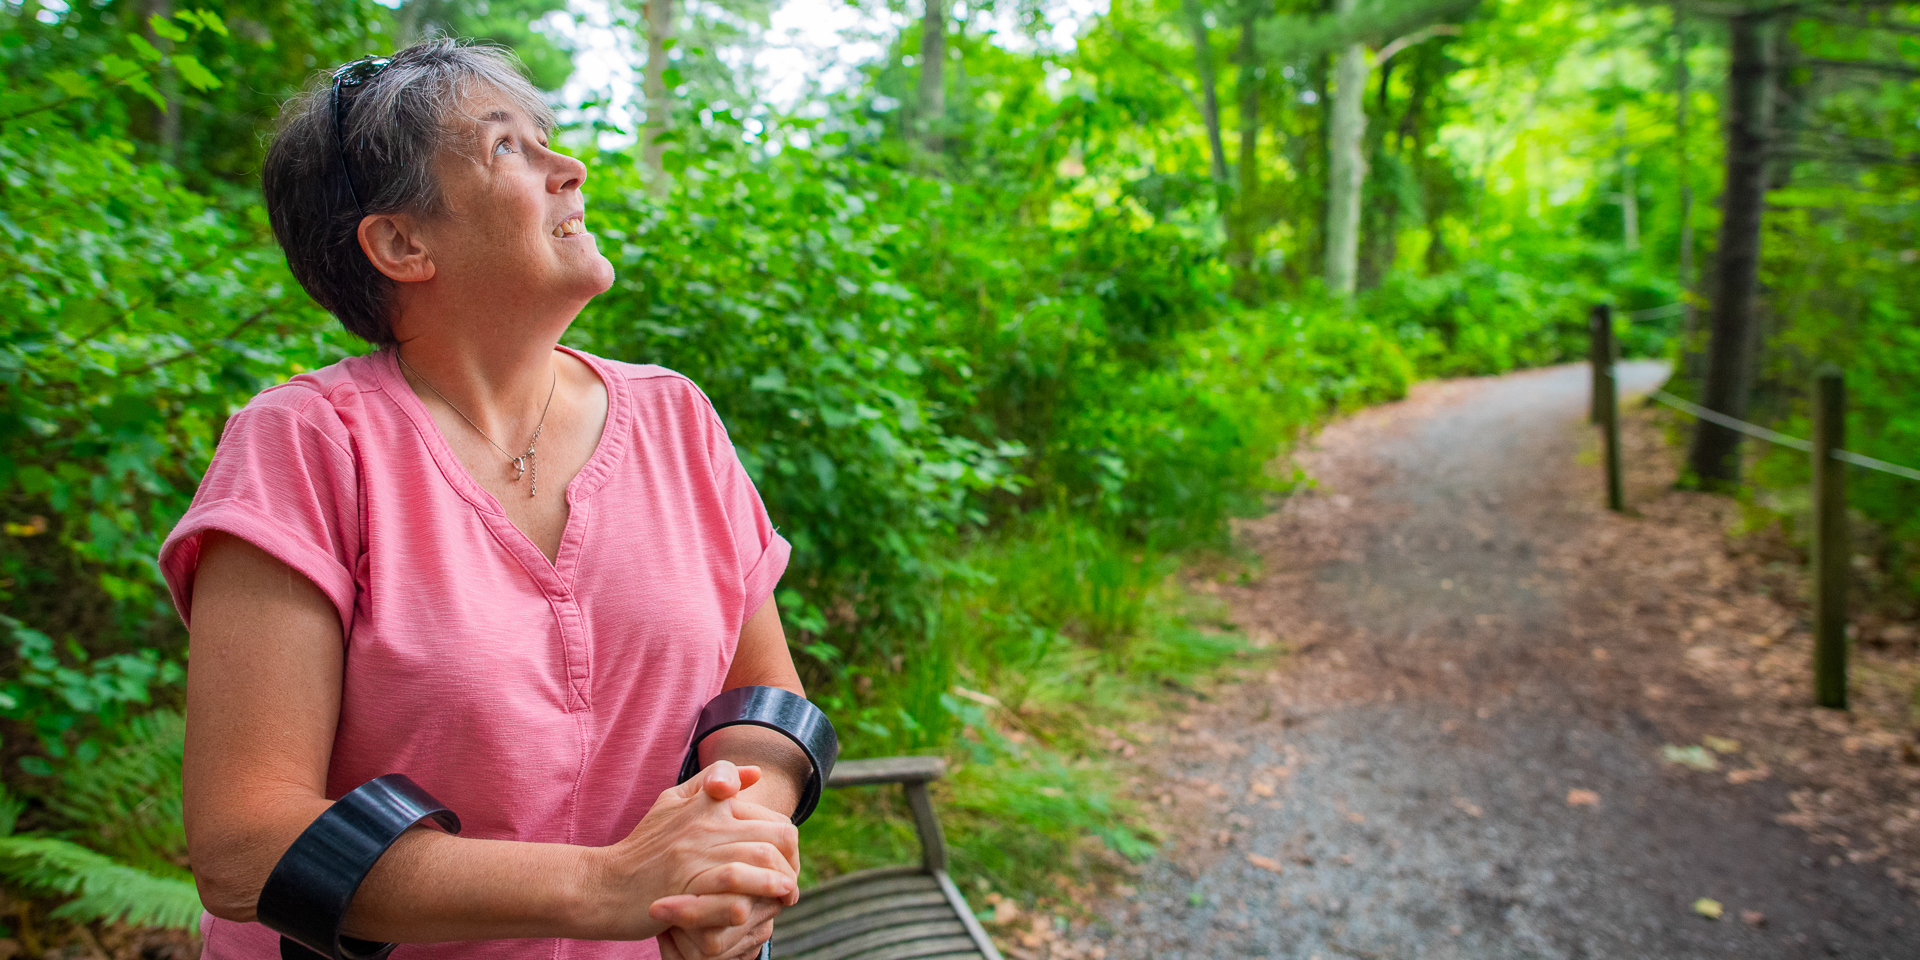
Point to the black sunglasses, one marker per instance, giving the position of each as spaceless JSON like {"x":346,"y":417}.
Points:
{"x":353,"y":74}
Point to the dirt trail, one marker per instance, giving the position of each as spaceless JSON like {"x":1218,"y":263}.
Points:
{"x":1460,"y":763}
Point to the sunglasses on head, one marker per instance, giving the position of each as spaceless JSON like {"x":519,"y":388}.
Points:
{"x":352,"y":74}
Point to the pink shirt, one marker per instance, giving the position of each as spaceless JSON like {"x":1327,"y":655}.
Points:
{"x":540,"y":701}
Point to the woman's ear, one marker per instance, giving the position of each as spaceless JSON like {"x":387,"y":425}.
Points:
{"x":393,"y":243}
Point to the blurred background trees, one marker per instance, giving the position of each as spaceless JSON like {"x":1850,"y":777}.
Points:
{"x":1005,"y":327}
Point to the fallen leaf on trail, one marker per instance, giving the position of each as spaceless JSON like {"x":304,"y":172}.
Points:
{"x":1577,"y":797}
{"x":1753,"y":918}
{"x":1711,"y":909}
{"x":1261,"y":788}
{"x":1696,"y":757}
{"x":1720,"y":744}
{"x":1600,"y":653}
{"x":1006,"y":911}
{"x":1468,"y":807}
{"x":1738,"y":777}
{"x":1356,"y":818}
{"x":1264,"y":863}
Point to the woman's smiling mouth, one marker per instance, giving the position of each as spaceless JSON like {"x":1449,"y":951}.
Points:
{"x":570,"y":227}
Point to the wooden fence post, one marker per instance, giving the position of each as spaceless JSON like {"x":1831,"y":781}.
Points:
{"x":1831,"y":549}
{"x":1593,"y":358}
{"x":1606,"y":401}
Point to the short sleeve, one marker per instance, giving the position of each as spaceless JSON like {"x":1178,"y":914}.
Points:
{"x":282,"y":479}
{"x":762,"y":551}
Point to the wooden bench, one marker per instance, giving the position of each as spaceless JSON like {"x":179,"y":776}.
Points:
{"x":890,"y":913}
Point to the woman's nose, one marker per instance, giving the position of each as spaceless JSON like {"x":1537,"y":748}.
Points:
{"x":568,"y":173}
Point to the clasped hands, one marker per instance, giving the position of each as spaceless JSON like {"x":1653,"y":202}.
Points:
{"x":717,"y":868}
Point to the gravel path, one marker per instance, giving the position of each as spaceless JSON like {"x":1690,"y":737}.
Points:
{"x":1448,"y":768}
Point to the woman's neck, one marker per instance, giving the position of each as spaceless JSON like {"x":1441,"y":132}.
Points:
{"x":503,"y":388}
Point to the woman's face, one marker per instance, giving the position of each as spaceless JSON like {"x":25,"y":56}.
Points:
{"x":514,"y":237}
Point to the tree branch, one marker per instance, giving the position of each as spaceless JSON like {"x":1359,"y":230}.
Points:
{"x":195,"y":351}
{"x":1420,"y":36}
{"x":63,"y":101}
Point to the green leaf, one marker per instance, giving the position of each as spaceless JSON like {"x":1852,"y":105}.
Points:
{"x":102,"y":888}
{"x":162,"y":27}
{"x":193,"y":73}
{"x":72,"y":83}
{"x":206,"y":18}
{"x":147,"y":51}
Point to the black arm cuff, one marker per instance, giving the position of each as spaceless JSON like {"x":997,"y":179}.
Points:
{"x":775,"y":709}
{"x":307,"y":895}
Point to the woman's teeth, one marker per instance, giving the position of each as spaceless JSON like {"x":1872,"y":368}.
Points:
{"x":572,"y":226}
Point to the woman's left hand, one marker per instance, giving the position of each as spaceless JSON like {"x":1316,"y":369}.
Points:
{"x":740,"y":942}
{"x":750,"y":921}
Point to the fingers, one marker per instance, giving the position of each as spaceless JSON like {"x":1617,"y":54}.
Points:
{"x":714,"y":910}
{"x":669,"y":946}
{"x":774,"y":853}
{"x":739,"y":942}
{"x":719,"y":780}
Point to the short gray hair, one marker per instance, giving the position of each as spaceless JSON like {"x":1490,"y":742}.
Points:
{"x":396,"y":124}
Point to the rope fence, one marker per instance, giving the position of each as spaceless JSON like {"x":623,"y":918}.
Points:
{"x":1831,"y":549}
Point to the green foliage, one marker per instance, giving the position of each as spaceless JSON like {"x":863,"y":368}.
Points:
{"x":100,"y":888}
{"x":995,"y":394}
{"x":125,"y":808}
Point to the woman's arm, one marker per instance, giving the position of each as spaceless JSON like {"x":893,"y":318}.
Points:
{"x":761,"y":660}
{"x":263,"y":702}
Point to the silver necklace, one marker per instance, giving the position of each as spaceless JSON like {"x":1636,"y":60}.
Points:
{"x":523,"y":465}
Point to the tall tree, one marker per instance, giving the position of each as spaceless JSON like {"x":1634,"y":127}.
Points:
{"x":933,"y":81}
{"x":1209,"y":90}
{"x":1240,"y":235}
{"x":653,"y":85}
{"x":1683,"y":172}
{"x":1714,"y":457}
{"x":1346,"y":162}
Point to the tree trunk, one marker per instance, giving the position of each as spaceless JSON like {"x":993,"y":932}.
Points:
{"x":933,"y":84}
{"x":1714,"y":459}
{"x":1629,"y":191}
{"x":1241,"y":236}
{"x":1683,"y":171}
{"x":1210,"y":98}
{"x":1346,"y":164}
{"x":660,"y":19}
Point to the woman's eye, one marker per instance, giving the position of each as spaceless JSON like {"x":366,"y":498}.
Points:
{"x":504,"y":146}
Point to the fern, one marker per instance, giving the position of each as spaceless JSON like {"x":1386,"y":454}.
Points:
{"x":102,"y":888}
{"x":126,"y":802}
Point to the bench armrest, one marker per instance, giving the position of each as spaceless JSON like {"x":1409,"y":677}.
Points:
{"x":912,"y":774}
{"x":860,"y":773}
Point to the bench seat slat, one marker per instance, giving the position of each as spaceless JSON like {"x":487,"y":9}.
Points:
{"x":825,"y":898}
{"x":843,"y":926}
{"x":920,"y":950}
{"x":915,"y":939}
{"x":794,"y":929}
{"x":958,"y":946}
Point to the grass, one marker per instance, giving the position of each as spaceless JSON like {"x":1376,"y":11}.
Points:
{"x":1045,"y":639}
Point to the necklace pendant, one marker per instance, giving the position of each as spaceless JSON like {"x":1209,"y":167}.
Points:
{"x":519,"y":464}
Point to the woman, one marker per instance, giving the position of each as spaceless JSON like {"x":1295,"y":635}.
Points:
{"x":507,"y":569}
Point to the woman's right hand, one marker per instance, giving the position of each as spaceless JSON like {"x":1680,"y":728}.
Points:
{"x":698,"y":839}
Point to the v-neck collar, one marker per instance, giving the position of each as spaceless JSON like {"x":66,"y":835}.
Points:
{"x":615,"y":438}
